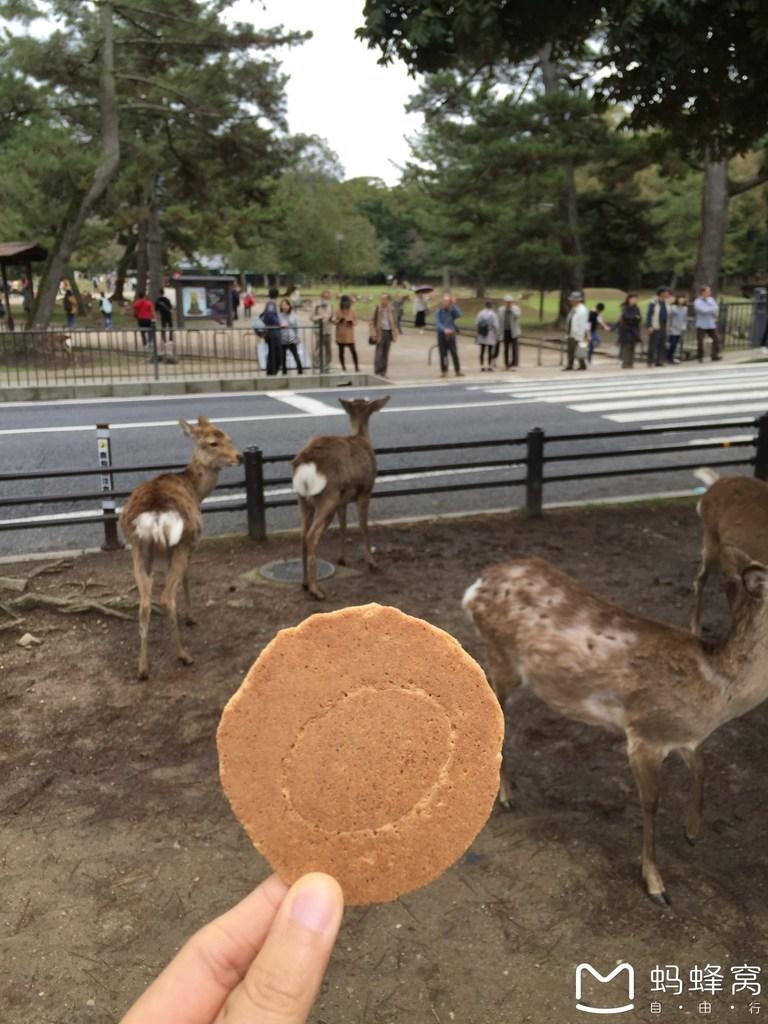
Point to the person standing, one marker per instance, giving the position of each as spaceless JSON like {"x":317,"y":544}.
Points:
{"x":164,"y":309}
{"x":445,"y":321}
{"x":577,"y":332}
{"x":656,"y":320}
{"x":235,"y":302}
{"x":399,"y":304}
{"x":420,"y":307}
{"x":629,"y":331}
{"x":596,"y":323}
{"x":487,"y":335}
{"x":383,"y":331}
{"x":322,"y":317}
{"x":106,"y":311}
{"x":706,"y":310}
{"x":248,"y":303}
{"x":677,"y":325}
{"x":70,"y":308}
{"x":345,"y":320}
{"x":271,"y":320}
{"x":289,"y":336}
{"x":144,"y":311}
{"x":509,"y":332}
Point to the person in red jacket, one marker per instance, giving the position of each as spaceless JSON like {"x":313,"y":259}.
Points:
{"x":144,"y":311}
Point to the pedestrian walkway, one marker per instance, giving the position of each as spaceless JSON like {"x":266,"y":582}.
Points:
{"x":652,"y":397}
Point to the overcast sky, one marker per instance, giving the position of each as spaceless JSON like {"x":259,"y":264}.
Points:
{"x":336,"y":88}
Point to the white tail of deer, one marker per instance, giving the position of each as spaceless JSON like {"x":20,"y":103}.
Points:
{"x":162,"y":517}
{"x":734,"y":515}
{"x":592,"y":661}
{"x":329,"y":473}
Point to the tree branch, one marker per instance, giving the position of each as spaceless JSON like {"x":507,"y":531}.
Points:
{"x":735,"y":188}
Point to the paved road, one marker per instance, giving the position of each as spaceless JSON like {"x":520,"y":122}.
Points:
{"x":45,"y":436}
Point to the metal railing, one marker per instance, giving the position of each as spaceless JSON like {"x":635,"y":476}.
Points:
{"x":30,"y":358}
{"x":518,"y":462}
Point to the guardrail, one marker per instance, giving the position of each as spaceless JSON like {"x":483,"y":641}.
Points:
{"x":521,"y":462}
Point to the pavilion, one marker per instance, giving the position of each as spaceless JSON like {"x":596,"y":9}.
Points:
{"x":18,"y":254}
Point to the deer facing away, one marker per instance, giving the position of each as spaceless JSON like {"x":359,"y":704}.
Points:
{"x":329,"y":473}
{"x":734,"y":515}
{"x":162,"y":517}
{"x":594,"y":662}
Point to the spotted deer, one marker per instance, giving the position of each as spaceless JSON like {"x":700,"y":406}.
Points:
{"x":162,"y":517}
{"x":592,"y":661}
{"x":734,"y":516}
{"x":328,"y":474}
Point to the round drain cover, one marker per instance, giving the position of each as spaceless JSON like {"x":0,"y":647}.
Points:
{"x":289,"y":570}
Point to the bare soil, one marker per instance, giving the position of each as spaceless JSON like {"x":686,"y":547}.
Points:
{"x":116,"y":841}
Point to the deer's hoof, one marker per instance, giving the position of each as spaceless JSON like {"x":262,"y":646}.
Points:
{"x":505,"y":804}
{"x":661,"y":898}
{"x":372,"y":567}
{"x":143,"y":673}
{"x":185,"y":658}
{"x":317,"y":594}
{"x":189,"y":621}
{"x":341,"y":561}
{"x":304,"y":585}
{"x":691,"y":837}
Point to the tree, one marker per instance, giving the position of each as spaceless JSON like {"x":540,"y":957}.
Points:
{"x":191,"y":100}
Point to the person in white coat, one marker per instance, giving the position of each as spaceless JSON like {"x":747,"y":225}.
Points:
{"x":577,"y":332}
{"x":509,"y":331}
{"x":487,"y":335}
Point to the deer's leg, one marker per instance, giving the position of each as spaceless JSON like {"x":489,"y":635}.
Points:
{"x":505,"y":682}
{"x":362,"y":517}
{"x":143,"y":579}
{"x":179,"y":563}
{"x":307,"y":513}
{"x":695,"y":762}
{"x":341,"y":512}
{"x":646,"y":762}
{"x":323,"y":517}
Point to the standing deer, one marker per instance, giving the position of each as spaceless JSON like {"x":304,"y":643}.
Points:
{"x":734,"y":514}
{"x":329,"y":473}
{"x":593,"y":662}
{"x":162,"y":516}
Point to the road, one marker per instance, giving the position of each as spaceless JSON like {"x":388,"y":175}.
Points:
{"x":45,"y":436}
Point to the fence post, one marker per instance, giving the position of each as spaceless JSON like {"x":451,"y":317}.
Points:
{"x":107,"y":481}
{"x":534,"y":471}
{"x":761,"y":447}
{"x":254,"y":493}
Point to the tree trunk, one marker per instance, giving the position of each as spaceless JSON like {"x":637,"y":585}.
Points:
{"x":141,"y":255}
{"x":714,"y":223}
{"x":480,"y":288}
{"x":154,"y":247}
{"x":42,"y":308}
{"x":572,"y":267}
{"x":123,"y":266}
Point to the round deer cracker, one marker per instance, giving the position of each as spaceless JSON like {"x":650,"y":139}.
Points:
{"x":364,"y":743}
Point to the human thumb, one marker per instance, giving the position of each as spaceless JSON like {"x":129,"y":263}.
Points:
{"x":284,"y":979}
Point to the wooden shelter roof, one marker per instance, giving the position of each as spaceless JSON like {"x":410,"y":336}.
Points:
{"x":21,"y":252}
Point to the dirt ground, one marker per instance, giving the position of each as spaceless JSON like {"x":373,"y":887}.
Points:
{"x":116,"y":841}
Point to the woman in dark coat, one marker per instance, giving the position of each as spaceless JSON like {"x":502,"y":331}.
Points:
{"x":629,"y":331}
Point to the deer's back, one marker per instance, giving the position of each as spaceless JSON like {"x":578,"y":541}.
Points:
{"x":170,"y":492}
{"x":734,"y":511}
{"x":349,"y":463}
{"x":586,"y":656}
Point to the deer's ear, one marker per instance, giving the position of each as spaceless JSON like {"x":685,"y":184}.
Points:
{"x":736,"y":560}
{"x":345,"y":404}
{"x":755,"y":580}
{"x":203,"y":421}
{"x":379,"y":403}
{"x":188,"y":429}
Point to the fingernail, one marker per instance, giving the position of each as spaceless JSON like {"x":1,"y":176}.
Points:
{"x":314,"y":906}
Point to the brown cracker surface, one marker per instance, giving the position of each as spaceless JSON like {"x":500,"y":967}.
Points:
{"x":365,"y":743}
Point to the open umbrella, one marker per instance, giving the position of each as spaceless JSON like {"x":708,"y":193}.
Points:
{"x":424,"y":288}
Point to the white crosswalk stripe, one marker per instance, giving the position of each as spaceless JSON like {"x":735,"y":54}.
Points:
{"x":697,"y":394}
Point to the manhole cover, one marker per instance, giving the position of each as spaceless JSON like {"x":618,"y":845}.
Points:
{"x":289,"y":570}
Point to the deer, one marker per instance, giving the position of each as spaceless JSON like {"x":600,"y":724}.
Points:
{"x":586,"y":657}
{"x":329,"y":473}
{"x":162,"y":517}
{"x":734,"y":514}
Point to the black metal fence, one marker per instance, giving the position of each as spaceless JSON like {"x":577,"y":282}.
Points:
{"x":522,"y":463}
{"x":30,"y":358}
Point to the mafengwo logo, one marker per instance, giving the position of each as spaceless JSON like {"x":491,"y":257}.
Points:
{"x":600,"y":990}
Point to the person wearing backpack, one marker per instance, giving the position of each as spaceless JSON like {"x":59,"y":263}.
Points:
{"x":270,"y":319}
{"x":70,"y":307}
{"x":486,"y":335}
{"x":106,"y":311}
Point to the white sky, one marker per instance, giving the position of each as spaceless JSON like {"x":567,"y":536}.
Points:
{"x":336,"y":89}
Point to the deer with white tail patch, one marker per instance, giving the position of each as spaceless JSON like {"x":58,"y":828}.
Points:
{"x":162,"y":517}
{"x":589,"y":659}
{"x":329,"y":473}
